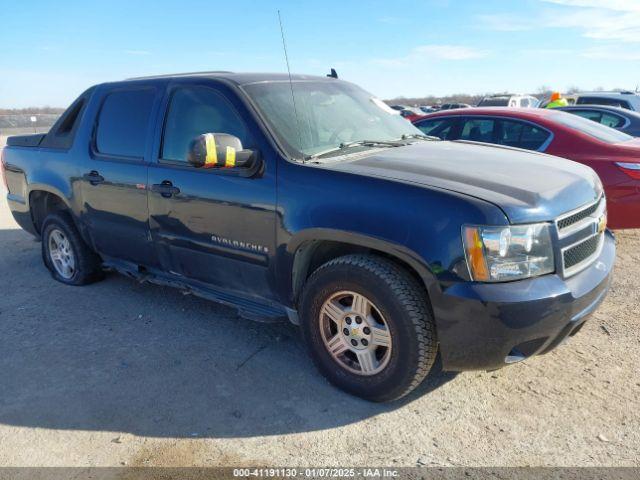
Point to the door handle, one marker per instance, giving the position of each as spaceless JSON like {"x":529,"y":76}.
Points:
{"x":166,"y":189}
{"x":93,"y":177}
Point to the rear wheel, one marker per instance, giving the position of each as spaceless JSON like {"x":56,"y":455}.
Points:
{"x":65,"y":254}
{"x":368,"y":327}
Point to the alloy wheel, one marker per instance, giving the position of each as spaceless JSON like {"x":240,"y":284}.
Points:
{"x":355,"y":333}
{"x":61,"y":254}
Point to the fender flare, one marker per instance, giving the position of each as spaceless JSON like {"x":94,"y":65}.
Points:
{"x":47,"y":188}
{"x":44,"y":187}
{"x":401,"y":252}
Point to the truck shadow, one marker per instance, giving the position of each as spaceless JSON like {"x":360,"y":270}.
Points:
{"x":124,"y":357}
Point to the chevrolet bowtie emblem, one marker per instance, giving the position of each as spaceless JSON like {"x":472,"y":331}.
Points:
{"x":602,"y":223}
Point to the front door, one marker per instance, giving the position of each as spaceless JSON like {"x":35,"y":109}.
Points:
{"x":211,"y":225}
{"x":114,"y":176}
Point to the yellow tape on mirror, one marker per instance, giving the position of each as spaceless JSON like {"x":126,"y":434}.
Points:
{"x":231,"y":157}
{"x":211,"y":160}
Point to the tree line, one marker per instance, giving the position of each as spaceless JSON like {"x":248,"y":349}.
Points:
{"x":542,"y":93}
{"x":31,"y":110}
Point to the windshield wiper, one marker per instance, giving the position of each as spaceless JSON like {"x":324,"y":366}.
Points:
{"x":419,"y":135}
{"x":357,"y":143}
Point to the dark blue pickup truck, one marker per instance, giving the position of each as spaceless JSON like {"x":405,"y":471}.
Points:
{"x":309,"y":198}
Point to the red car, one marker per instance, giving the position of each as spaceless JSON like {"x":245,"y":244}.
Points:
{"x":614,"y":155}
{"x":411,"y":114}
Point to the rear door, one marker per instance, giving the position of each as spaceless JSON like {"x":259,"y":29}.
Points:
{"x":218,"y":225}
{"x":114,"y":177}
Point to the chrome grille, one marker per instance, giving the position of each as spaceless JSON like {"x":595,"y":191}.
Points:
{"x":574,"y":218}
{"x":579,"y":253}
{"x":583,"y":227}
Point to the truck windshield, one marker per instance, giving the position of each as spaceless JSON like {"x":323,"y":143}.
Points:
{"x":329,"y":114}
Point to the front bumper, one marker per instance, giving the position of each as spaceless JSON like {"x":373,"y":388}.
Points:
{"x":484,"y":326}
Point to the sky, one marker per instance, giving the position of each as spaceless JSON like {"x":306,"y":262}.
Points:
{"x":50,"y":51}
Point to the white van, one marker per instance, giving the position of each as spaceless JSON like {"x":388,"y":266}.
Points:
{"x":509,"y":100}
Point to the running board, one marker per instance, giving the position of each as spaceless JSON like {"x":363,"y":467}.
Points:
{"x":249,"y":308}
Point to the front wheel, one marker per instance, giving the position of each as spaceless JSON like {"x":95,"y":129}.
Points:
{"x":368,"y":326}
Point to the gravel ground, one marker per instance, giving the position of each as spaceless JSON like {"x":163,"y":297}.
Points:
{"x":120,"y":373}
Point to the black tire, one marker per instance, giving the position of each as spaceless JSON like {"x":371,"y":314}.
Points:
{"x":87,"y":263}
{"x":404,"y":306}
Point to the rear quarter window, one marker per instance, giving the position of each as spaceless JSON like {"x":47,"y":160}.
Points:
{"x":123,"y":122}
{"x":62,"y":133}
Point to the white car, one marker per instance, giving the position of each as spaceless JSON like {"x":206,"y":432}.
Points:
{"x":509,"y":100}
{"x":628,"y":100}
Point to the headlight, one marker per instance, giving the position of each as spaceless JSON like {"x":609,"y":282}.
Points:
{"x":498,"y":254}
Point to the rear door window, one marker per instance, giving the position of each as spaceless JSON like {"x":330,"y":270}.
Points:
{"x":438,"y":127}
{"x":533,"y":138}
{"x":612,"y":120}
{"x":510,"y":133}
{"x":522,"y":135}
{"x":123,"y":122}
{"x":478,"y":130}
{"x":594,"y":115}
{"x":605,"y":118}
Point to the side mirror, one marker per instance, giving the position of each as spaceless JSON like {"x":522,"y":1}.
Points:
{"x":220,"y":150}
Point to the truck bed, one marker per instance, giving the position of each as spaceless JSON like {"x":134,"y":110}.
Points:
{"x":32,"y":140}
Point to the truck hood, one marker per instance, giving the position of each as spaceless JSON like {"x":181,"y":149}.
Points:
{"x":527,"y":186}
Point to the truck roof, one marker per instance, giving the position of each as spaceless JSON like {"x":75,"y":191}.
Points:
{"x":604,"y":94}
{"x":239,"y":78}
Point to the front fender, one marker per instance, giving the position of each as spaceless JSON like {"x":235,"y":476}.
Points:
{"x":392,"y":249}
{"x":418,"y":225}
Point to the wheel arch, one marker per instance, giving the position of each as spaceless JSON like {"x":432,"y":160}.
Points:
{"x":314,"y":247}
{"x":42,"y":201}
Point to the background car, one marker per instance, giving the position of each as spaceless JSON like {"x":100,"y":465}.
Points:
{"x":625,"y":99}
{"x":614,"y":155}
{"x":452,"y":106}
{"x":412,"y":114}
{"x":626,"y":121}
{"x":509,"y":100}
{"x":427,"y":109}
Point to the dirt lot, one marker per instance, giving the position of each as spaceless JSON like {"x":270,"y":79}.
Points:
{"x":120,"y":373}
